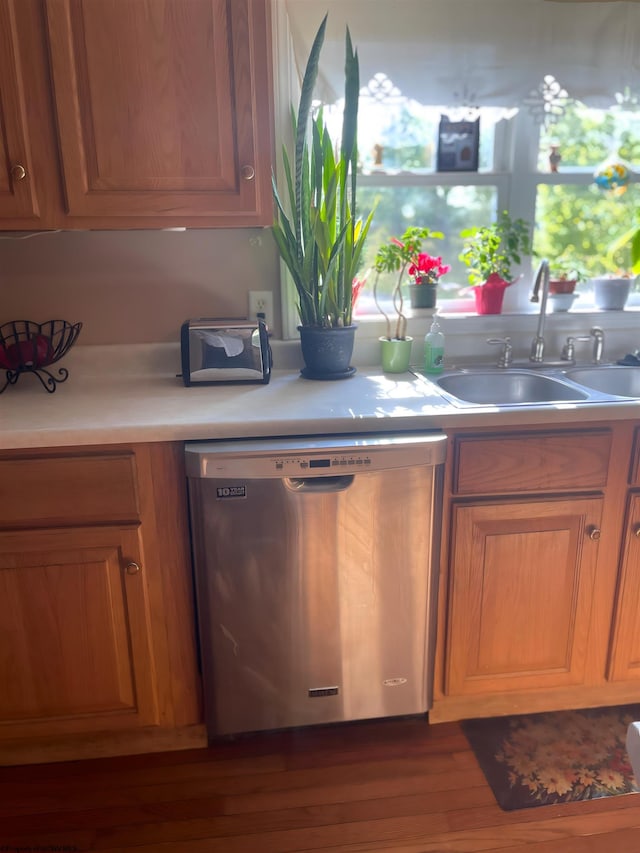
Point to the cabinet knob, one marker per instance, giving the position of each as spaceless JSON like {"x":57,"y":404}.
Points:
{"x":247,"y":173}
{"x":132,"y":568}
{"x":18,"y":172}
{"x":594,"y":533}
{"x":637,"y":531}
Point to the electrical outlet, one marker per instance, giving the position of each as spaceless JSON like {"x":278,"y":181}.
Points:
{"x":261,"y":304}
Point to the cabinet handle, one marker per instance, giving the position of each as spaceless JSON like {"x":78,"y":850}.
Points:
{"x":18,"y":172}
{"x":247,"y":173}
{"x":132,"y":568}
{"x":594,"y":533}
{"x":637,"y":531}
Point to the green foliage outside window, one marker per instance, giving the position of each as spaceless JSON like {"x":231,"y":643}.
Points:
{"x":576,"y":222}
{"x":580,"y":223}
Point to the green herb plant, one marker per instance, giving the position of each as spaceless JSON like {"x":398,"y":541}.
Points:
{"x":629,"y":244}
{"x":495,"y":248}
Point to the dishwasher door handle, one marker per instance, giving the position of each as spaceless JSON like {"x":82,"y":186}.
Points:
{"x":319,"y":484}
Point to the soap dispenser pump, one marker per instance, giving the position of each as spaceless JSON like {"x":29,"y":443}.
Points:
{"x":434,"y":348}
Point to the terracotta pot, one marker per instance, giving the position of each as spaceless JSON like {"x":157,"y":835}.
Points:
{"x":562,"y":285}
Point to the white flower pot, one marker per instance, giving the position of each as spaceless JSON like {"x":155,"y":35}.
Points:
{"x":611,"y":294}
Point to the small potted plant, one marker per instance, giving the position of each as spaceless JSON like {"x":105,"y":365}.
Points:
{"x":565,"y":275}
{"x":425,"y":273}
{"x":396,"y":256}
{"x":611,"y":290}
{"x":490,"y":252}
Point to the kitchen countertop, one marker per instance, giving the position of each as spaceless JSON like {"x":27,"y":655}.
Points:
{"x":132,"y":394}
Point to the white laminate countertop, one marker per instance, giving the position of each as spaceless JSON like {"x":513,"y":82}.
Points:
{"x":131,"y":394}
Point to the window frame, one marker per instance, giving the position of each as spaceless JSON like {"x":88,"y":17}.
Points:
{"x":515,"y":175}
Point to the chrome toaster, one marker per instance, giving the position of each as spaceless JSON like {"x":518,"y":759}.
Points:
{"x":215,"y":351}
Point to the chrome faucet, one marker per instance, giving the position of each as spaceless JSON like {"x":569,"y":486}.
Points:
{"x":596,"y":335}
{"x":542,"y":277}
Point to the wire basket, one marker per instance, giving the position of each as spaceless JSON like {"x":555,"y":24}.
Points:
{"x":28,"y":347}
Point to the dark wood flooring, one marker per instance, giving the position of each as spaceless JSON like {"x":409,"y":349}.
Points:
{"x":396,"y":785}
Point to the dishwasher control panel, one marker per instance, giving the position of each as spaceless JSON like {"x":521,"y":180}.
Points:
{"x":313,"y":457}
{"x":320,"y":464}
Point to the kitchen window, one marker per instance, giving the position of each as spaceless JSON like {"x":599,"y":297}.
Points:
{"x":562,"y":79}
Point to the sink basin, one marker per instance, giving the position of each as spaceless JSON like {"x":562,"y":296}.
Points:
{"x":621,"y":381}
{"x":512,"y":387}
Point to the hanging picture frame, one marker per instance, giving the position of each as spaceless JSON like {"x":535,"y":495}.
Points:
{"x":458,"y":145}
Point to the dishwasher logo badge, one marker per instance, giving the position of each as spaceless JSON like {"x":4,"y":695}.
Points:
{"x":227,"y":492}
{"x":394,"y":682}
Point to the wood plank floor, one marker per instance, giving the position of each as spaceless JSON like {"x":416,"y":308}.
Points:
{"x":396,"y":785}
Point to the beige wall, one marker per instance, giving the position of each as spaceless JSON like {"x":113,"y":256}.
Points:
{"x":135,"y":286}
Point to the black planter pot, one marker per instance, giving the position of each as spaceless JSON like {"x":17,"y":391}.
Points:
{"x":327,"y":352}
{"x":423,"y":295}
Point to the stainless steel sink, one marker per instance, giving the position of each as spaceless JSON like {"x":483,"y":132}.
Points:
{"x":621,"y":381}
{"x":512,"y":387}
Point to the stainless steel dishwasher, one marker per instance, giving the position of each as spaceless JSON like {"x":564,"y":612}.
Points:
{"x":315,"y":577}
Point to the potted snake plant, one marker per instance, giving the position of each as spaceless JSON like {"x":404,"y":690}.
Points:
{"x":317,"y":229}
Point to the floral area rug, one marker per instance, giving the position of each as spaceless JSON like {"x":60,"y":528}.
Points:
{"x":559,"y":757}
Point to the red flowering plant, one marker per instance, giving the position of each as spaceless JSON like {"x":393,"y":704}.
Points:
{"x":427,"y":269}
{"x":396,"y":256}
{"x":356,"y":288}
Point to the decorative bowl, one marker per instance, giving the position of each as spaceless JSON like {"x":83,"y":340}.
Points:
{"x":28,"y":347}
{"x":562,"y":301}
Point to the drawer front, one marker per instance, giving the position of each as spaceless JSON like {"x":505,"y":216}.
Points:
{"x":50,"y":491}
{"x":634,"y":473}
{"x":541,"y":462}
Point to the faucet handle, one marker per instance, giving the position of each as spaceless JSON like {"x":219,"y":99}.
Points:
{"x":596,"y":335}
{"x":506,"y":356}
{"x":569,"y":349}
{"x":598,"y":343}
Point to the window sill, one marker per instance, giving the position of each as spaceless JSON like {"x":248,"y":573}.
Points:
{"x":466,"y":334}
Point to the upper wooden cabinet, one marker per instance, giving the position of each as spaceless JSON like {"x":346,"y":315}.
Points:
{"x":18,"y":194}
{"x":160,"y":112}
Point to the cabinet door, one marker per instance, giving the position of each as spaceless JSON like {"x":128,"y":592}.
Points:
{"x":75,"y":636}
{"x":17,"y":187}
{"x":521,"y":588}
{"x":163,"y":109}
{"x":624,"y":661}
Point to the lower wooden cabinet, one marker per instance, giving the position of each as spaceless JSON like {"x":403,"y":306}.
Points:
{"x":86,"y":659}
{"x":97,"y":630}
{"x":521,"y":592}
{"x":540,"y":574}
{"x":624,"y":662}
